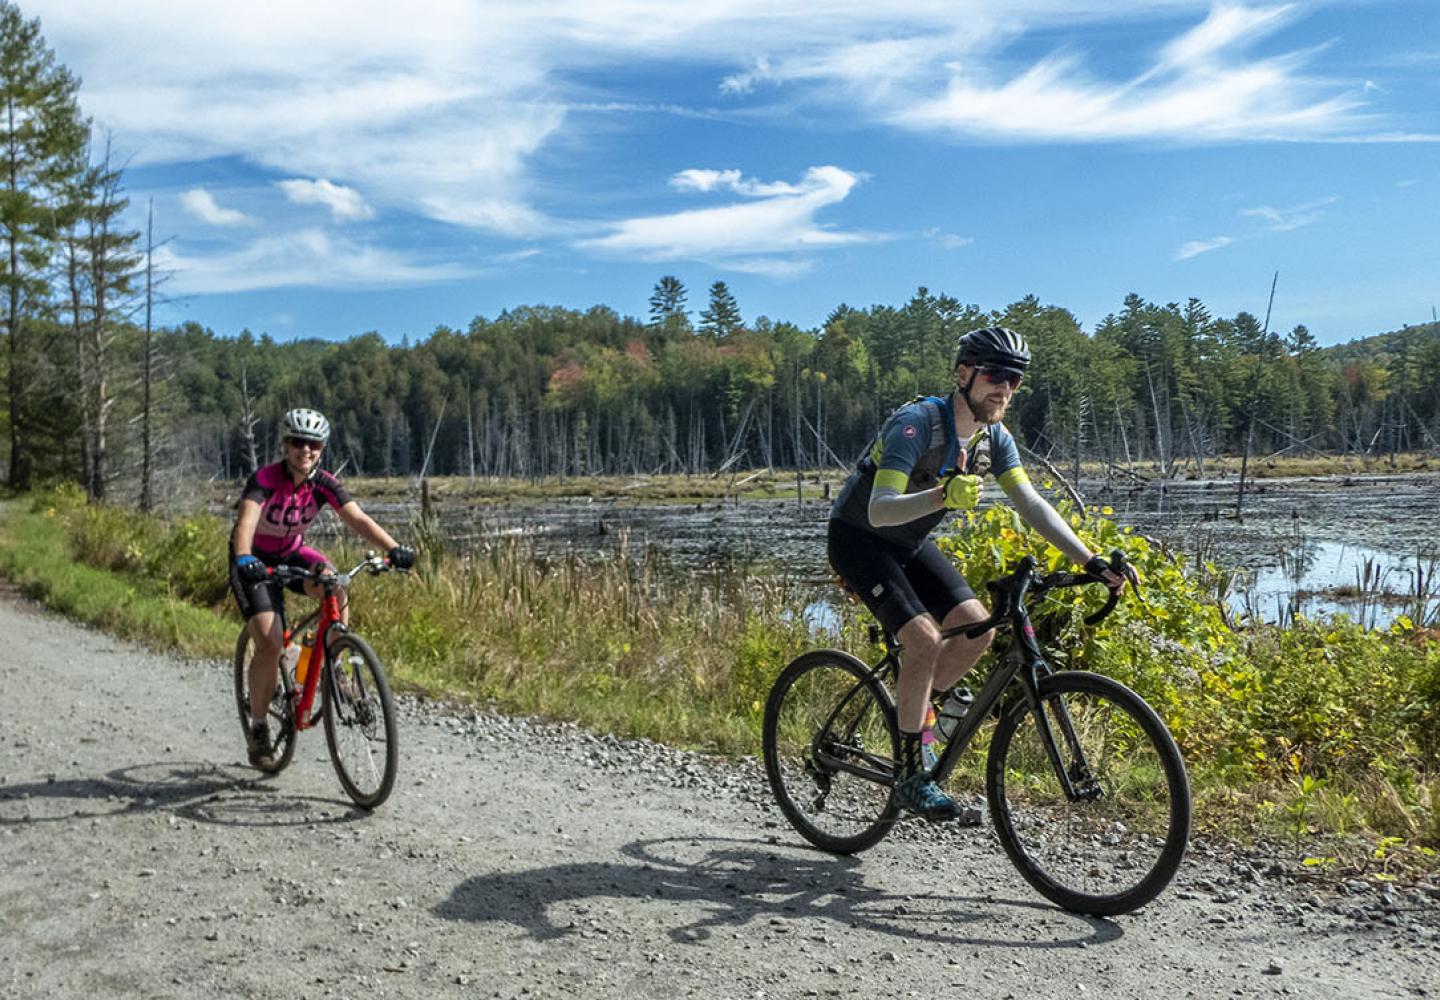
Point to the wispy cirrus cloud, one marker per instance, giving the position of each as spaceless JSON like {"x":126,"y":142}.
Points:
{"x":345,"y":203}
{"x":488,"y":116}
{"x":1281,"y":220}
{"x":1194,"y":248}
{"x":1201,"y":87}
{"x":203,"y":206}
{"x":305,"y":258}
{"x":779,"y":218}
{"x":401,"y":110}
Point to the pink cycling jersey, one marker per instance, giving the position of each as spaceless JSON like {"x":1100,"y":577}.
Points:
{"x":286,"y":510}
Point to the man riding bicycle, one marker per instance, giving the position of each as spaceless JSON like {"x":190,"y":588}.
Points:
{"x":278,"y":503}
{"x":927,"y":459}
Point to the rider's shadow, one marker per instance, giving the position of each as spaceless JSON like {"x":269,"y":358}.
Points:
{"x":737,"y":883}
{"x":227,"y":795}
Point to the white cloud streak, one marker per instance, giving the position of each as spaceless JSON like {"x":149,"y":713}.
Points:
{"x":308,"y":257}
{"x":203,"y":206}
{"x":1195,"y":248}
{"x":744,"y":235}
{"x":345,"y":203}
{"x":1281,"y":220}
{"x":1201,"y":88}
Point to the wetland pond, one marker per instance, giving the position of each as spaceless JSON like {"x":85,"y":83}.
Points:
{"x":1313,"y":545}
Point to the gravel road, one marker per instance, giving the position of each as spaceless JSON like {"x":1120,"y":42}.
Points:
{"x":140,"y":857}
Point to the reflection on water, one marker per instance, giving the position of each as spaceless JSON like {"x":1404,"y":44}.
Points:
{"x":1319,"y":578}
{"x":1300,"y":539}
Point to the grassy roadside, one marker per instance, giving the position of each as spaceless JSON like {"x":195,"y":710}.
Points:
{"x":35,"y":556}
{"x":1289,"y":733}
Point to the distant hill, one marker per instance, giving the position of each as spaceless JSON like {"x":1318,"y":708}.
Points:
{"x":1383,"y":344}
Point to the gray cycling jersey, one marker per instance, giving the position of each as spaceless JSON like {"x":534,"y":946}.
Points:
{"x":915,"y":448}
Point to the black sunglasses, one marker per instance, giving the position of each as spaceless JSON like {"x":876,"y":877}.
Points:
{"x":1009,"y":376}
{"x":303,"y":443}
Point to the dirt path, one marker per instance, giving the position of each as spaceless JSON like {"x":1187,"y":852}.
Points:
{"x":139,"y":857}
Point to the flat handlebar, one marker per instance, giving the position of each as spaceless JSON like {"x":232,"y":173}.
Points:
{"x":373,"y":564}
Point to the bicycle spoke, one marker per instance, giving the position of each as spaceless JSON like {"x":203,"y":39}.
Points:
{"x":829,"y":752}
{"x":1113,"y":842}
{"x":360,"y":723}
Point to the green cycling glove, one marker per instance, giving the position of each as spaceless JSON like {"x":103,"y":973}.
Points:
{"x":962,"y":492}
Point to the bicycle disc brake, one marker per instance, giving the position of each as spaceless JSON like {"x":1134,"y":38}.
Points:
{"x":1086,"y":785}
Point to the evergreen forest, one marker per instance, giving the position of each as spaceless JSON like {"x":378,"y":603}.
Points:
{"x":95,"y":392}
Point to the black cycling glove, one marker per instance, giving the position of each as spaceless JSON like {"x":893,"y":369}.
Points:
{"x":250,"y":569}
{"x":402,"y":557}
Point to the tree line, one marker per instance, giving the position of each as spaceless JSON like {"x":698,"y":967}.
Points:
{"x":94,"y":393}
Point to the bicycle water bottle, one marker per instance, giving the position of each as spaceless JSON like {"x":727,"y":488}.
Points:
{"x":289,"y":657}
{"x":952,"y":710}
{"x":307,"y":652}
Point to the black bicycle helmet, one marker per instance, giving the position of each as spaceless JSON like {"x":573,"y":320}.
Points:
{"x":993,"y":345}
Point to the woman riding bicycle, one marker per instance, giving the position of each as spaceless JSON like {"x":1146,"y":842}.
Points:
{"x":278,"y":503}
{"x":927,"y":460}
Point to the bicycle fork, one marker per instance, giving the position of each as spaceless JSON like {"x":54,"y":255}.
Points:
{"x":1076,"y":780}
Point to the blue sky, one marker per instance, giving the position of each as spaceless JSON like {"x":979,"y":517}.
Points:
{"x":327,"y":168}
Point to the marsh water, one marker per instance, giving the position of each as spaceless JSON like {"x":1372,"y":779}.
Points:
{"x":1302,"y":544}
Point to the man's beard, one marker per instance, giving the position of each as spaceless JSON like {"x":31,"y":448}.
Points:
{"x":989,"y":411}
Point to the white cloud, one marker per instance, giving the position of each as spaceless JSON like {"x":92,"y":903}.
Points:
{"x":1226,"y":25}
{"x":345,"y":203}
{"x":1282,"y":220}
{"x":1195,"y":248}
{"x":308,"y":257}
{"x":704,"y":180}
{"x":952,"y":242}
{"x":744,"y":83}
{"x":780,"y":218}
{"x":202,"y":205}
{"x":440,"y":107}
{"x":1201,"y":87}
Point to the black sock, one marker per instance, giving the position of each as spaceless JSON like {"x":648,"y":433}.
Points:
{"x":909,"y":754}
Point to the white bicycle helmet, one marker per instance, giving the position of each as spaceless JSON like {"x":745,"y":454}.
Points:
{"x":307,"y":425}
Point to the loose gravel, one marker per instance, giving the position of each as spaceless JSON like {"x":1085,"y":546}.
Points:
{"x":140,"y":857}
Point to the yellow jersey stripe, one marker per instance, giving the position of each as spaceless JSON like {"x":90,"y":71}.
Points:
{"x":1012,"y":477}
{"x":891,"y":479}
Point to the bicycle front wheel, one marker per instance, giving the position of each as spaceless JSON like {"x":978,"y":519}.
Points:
{"x":360,"y":721}
{"x":1114,"y":841}
{"x":281,"y":712}
{"x":830,"y":743}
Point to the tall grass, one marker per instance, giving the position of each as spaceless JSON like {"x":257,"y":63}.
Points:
{"x":1322,"y":720}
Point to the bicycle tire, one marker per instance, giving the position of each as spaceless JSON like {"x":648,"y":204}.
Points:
{"x":360,"y":721}
{"x":282,"y":706}
{"x":1131,"y":827}
{"x":804,"y":736}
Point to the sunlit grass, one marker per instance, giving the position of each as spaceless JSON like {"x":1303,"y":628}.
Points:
{"x":624,"y":645}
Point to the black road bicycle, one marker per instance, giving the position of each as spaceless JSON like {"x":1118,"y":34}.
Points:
{"x":1087,"y":790}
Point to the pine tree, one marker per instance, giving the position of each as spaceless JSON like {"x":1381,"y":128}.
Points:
{"x":723,"y":317}
{"x":667,"y":305}
{"x":41,"y":136}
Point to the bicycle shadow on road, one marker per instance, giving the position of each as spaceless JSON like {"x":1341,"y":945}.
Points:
{"x":202,"y":791}
{"x":736,"y":883}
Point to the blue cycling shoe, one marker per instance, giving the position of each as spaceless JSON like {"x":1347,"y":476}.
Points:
{"x":920,"y":795}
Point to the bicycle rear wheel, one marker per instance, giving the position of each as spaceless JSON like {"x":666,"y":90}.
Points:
{"x":360,"y":721}
{"x":1114,"y":845}
{"x":830,"y":744}
{"x":281,"y":712}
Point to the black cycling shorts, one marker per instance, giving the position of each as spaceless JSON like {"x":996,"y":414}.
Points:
{"x":896,"y":583}
{"x":267,"y":595}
